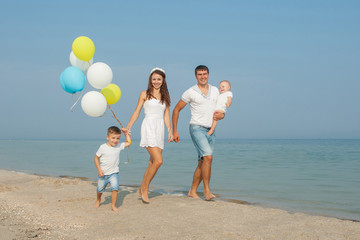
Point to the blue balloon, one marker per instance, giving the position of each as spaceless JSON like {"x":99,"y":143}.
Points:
{"x":62,"y":83}
{"x":73,"y":78}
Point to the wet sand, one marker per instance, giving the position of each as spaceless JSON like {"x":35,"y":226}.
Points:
{"x":41,"y":207}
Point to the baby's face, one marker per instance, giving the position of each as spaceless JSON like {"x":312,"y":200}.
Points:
{"x":224,"y":87}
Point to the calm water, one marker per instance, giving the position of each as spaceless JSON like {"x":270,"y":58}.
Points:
{"x":314,"y":176}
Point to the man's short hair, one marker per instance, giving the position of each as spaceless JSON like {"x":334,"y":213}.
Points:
{"x":201,"y":67}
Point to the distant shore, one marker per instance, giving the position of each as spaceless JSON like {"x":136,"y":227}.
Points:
{"x":45,"y":207}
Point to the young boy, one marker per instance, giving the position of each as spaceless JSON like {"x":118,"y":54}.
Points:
{"x":107,"y":160}
{"x":224,"y":101}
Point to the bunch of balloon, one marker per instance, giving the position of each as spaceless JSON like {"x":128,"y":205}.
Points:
{"x":99,"y":76}
{"x":72,"y":79}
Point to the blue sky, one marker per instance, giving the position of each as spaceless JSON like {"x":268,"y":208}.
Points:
{"x":293,"y":65}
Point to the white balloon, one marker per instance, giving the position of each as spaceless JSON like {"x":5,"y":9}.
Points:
{"x":99,"y":75}
{"x":93,"y":104}
{"x":79,"y":63}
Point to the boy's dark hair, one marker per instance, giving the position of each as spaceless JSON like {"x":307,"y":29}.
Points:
{"x":201,"y":67}
{"x":113,"y":129}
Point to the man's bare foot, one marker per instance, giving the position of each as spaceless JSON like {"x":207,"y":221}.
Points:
{"x":193,"y":195}
{"x":209,"y":196}
{"x":97,"y":204}
{"x":115,"y":209}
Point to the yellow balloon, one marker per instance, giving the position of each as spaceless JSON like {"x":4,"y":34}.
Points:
{"x":83,"y":48}
{"x":112,"y":93}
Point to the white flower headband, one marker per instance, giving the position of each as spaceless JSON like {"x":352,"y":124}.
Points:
{"x":160,"y":69}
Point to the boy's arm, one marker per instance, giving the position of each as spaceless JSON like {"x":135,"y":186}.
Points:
{"x":97,"y":164}
{"x":229,"y":101}
{"x":127,"y":137}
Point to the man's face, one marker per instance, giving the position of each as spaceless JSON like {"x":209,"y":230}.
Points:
{"x":202,"y":77}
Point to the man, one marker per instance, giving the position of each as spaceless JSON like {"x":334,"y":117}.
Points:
{"x":202,"y":100}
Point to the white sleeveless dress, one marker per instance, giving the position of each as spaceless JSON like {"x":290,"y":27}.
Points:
{"x":152,"y":127}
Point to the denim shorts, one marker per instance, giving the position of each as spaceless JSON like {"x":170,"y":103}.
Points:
{"x":113,"y":179}
{"x":203,"y":142}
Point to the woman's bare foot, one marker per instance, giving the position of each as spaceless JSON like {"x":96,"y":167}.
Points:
{"x":145,"y":197}
{"x":209,"y":196}
{"x":139,"y":192}
{"x":193,"y":195}
{"x":115,"y":209}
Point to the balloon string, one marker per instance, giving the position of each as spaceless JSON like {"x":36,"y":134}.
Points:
{"x":127,"y":152}
{"x":71,"y":109}
{"x":115,"y":116}
{"x":82,"y":93}
{"x":127,"y":155}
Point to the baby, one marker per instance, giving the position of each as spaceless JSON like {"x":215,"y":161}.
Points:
{"x":224,"y":101}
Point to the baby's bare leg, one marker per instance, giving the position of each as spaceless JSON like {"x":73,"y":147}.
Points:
{"x":213,"y":126}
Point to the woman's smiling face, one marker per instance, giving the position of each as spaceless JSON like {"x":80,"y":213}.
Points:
{"x":156,"y":81}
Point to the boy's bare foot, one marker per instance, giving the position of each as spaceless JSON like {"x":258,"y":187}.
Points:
{"x":209,"y":196}
{"x":193,"y":195}
{"x":115,"y":209}
{"x":97,"y":204}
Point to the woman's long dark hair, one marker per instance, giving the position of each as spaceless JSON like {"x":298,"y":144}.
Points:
{"x":165,"y":96}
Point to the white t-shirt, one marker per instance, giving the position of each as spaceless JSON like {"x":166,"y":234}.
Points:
{"x":109,"y":158}
{"x":202,"y":107}
{"x":222,"y":99}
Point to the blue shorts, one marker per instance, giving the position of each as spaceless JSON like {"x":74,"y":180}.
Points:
{"x":113,"y":179}
{"x":203,"y":142}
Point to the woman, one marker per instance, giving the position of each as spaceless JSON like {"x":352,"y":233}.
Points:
{"x":156,"y":103}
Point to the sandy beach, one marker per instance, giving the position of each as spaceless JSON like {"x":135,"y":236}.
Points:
{"x":41,"y":207}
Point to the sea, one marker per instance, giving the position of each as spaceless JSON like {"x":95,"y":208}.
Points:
{"x":313,"y":176}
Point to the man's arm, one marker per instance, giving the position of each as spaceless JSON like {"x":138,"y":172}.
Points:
{"x":175,"y":117}
{"x":218,"y":115}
